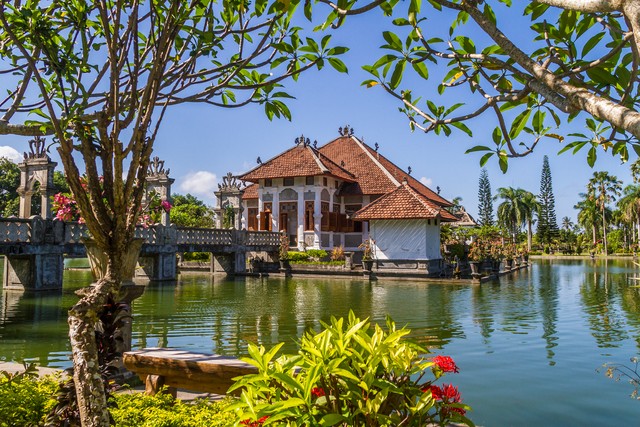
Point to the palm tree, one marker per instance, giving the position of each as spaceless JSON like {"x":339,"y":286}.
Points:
{"x":511,"y":212}
{"x":588,"y":215}
{"x":604,"y":188}
{"x":635,"y":171}
{"x":567,"y":224}
{"x":531,"y":207}
{"x":629,"y":205}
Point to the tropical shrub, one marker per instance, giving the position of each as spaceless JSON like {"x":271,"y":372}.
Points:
{"x":294,"y":256}
{"x":337,"y":253}
{"x":349,"y":374}
{"x":317,"y":254}
{"x":25,"y":399}
{"x":161,"y":410}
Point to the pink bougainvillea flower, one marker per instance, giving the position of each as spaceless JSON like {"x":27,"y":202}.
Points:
{"x":446,"y":364}
{"x":166,"y":205}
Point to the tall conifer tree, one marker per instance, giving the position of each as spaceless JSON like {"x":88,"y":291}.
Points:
{"x":547,"y":222}
{"x":485,"y":201}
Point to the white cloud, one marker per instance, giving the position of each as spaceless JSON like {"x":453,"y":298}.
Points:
{"x":426,"y":181}
{"x":201,"y":183}
{"x":10,"y":153}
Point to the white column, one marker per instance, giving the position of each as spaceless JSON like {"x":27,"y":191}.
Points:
{"x":317,"y":216}
{"x":260,"y":204}
{"x":300,"y":217}
{"x":275,"y":211}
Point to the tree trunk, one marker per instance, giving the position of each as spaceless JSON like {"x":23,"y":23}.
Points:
{"x":92,"y":401}
{"x":529,"y":234}
{"x":91,"y":395}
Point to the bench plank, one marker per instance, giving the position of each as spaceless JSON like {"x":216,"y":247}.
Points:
{"x":209,"y":373}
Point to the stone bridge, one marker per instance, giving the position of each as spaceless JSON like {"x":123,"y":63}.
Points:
{"x":35,"y":248}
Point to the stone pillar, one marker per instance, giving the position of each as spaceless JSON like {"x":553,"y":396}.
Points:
{"x":37,"y":167}
{"x":158,"y":180}
{"x":301,"y":221}
{"x":317,"y":217}
{"x":229,"y":197}
{"x":275,"y":212}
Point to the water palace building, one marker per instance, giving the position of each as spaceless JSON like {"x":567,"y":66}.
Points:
{"x":341,"y":194}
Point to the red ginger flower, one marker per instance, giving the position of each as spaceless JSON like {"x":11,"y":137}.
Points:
{"x":445,"y":364}
{"x":317,"y":392}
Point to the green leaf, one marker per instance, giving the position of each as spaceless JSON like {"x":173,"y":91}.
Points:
{"x":503,"y":161}
{"x":478,"y":148}
{"x":593,"y":41}
{"x":332,"y":419}
{"x":338,"y":65}
{"x":484,"y":159}
{"x":462,"y":127}
{"x":519,"y":123}
{"x":393,"y":40}
{"x":591,"y":156}
{"x":398,"y":71}
{"x":466,"y":43}
{"x":421,"y":69}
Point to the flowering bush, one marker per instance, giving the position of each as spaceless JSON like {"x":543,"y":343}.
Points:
{"x":477,"y":252}
{"x":66,"y":208}
{"x":349,"y":374}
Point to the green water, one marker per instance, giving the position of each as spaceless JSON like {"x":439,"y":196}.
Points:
{"x":527,"y":346}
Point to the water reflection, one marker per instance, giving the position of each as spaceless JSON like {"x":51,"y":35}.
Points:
{"x":551,"y":325}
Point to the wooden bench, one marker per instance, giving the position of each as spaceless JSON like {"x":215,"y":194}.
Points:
{"x":208,"y":373}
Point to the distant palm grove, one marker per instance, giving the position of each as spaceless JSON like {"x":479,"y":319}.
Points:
{"x":608,"y":216}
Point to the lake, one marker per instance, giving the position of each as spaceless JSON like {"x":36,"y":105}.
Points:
{"x":527,"y":346}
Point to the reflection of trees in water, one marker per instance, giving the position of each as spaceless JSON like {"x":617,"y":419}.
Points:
{"x":548,"y":283}
{"x":269,"y":311}
{"x":29,"y":319}
{"x":483,"y":309}
{"x":600,"y":294}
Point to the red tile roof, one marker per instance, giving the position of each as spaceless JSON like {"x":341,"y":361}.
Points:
{"x":375,"y":174}
{"x":364,"y":169}
{"x":301,"y":160}
{"x":250,"y":192}
{"x":405,"y":202}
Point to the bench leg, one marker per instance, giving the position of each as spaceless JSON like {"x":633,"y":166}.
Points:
{"x":154,"y":383}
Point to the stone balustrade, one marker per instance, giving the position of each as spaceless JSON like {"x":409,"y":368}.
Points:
{"x":35,"y":248}
{"x":15,"y":230}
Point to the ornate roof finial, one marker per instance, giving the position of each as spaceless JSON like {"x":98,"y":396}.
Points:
{"x":37,"y":149}
{"x":230,"y":183}
{"x":345,"y":131}
{"x":409,"y":170}
{"x":376,"y":146}
{"x":438,"y":189}
{"x":259,"y":160}
{"x":156,"y":167}
{"x":315,"y":144}
{"x":299,"y":140}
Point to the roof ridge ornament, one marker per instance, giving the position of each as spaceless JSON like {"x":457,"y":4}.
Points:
{"x":376,"y":146}
{"x":37,"y":149}
{"x":230,"y":183}
{"x":156,"y":167}
{"x":409,"y":170}
{"x":304,"y":141}
{"x":346,"y":130}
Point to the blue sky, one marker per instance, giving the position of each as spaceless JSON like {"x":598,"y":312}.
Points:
{"x":200,"y":144}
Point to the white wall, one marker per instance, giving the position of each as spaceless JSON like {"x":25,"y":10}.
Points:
{"x":405,"y":239}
